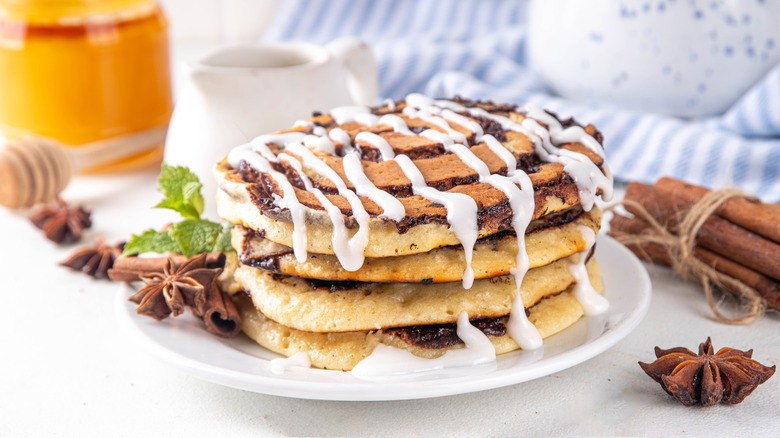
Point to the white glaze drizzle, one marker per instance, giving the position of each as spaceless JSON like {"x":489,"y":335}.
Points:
{"x":392,"y":208}
{"x":419,"y":100}
{"x":592,"y":302}
{"x":349,"y":250}
{"x":260,"y":144}
{"x":262,"y":162}
{"x":339,"y":228}
{"x":358,"y":114}
{"x":497,"y":148}
{"x":521,"y":202}
{"x":303,"y":124}
{"x":461,"y":212}
{"x":315,"y":129}
{"x":377,"y":142}
{"x":398,"y":124}
{"x":428,"y":114}
{"x":340,"y":239}
{"x":467,"y":123}
{"x":547,"y":141}
{"x":281,"y":364}
{"x":584,"y":172}
{"x":340,"y":136}
{"x":322,"y":144}
{"x":389,"y":361}
{"x":389,"y":103}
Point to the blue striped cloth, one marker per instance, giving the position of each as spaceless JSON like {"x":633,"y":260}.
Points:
{"x":476,"y":49}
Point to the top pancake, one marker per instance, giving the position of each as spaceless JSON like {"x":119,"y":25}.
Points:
{"x":494,"y":256}
{"x":251,"y":197}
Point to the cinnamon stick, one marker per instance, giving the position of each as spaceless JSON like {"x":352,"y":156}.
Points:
{"x":655,"y":253}
{"x":129,"y":269}
{"x":221,"y":315}
{"x":763,"y":219}
{"x":716,"y":234}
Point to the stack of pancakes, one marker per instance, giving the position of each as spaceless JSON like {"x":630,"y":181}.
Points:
{"x":399,"y":224}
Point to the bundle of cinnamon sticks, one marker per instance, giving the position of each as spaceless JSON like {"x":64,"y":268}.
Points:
{"x":741,"y":239}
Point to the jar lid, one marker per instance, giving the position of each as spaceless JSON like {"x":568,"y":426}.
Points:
{"x":73,"y":12}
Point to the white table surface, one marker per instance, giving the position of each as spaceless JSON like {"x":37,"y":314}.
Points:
{"x":66,"y":368}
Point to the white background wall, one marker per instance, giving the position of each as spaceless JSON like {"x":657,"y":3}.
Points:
{"x":210,"y":21}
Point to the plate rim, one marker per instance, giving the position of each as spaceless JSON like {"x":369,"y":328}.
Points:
{"x":360,"y":390}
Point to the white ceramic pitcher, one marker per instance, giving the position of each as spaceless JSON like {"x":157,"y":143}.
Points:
{"x":236,"y":93}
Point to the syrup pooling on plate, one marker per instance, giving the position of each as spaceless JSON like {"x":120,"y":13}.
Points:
{"x":282,"y":364}
{"x":389,"y":361}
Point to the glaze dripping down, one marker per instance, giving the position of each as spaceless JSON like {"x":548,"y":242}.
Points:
{"x":456,"y":127}
{"x":391,"y":361}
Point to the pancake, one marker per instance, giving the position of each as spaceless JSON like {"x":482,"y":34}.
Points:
{"x":267,"y":183}
{"x":493,"y":256}
{"x":246,"y":204}
{"x":418,"y":224}
{"x":333,"y":307}
{"x":342,"y":351}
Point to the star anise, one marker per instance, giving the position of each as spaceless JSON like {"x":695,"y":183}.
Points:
{"x":707,"y":378}
{"x":176,"y":287}
{"x":94,"y":260}
{"x":60,"y":222}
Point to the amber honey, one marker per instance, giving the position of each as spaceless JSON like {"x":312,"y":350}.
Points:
{"x":93,"y":72}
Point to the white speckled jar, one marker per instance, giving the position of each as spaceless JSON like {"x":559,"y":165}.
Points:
{"x":679,"y":57}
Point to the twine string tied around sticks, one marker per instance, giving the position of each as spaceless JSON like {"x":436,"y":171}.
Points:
{"x":680,"y":248}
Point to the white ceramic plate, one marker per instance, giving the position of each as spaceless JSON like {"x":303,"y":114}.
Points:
{"x":240,"y":363}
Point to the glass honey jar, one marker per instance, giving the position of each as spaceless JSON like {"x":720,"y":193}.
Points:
{"x":91,"y":74}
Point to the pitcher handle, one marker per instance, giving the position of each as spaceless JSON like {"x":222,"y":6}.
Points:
{"x":358,"y":60}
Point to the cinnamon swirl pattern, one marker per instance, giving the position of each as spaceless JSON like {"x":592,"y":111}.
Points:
{"x":449,"y":230}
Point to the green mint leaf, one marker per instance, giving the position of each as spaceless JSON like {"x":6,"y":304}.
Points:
{"x":223,"y":240}
{"x":181,"y":189}
{"x":192,"y":196}
{"x":195,"y":236}
{"x":150,"y":241}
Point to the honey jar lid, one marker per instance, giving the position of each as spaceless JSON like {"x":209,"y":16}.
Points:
{"x":73,"y":12}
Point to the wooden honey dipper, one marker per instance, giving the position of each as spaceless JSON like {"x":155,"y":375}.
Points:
{"x":37,"y":169}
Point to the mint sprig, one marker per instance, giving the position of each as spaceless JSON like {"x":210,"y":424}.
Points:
{"x":181,"y":189}
{"x":193,"y":235}
{"x":151,"y":241}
